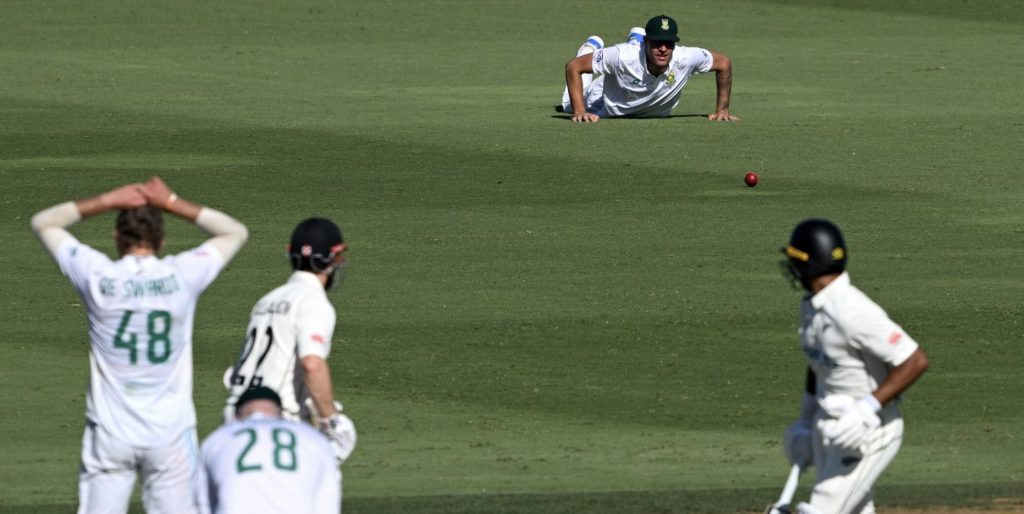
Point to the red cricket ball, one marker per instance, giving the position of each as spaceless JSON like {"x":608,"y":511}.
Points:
{"x":750,"y":179}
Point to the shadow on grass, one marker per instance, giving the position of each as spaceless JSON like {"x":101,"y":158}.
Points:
{"x":978,"y":497}
{"x":560,"y":115}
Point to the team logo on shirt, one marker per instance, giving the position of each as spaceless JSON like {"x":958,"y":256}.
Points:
{"x":671,"y":78}
{"x":599,"y":56}
{"x":317,"y":338}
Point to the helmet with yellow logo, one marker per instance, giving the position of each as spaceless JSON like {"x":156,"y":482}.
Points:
{"x":815,"y":248}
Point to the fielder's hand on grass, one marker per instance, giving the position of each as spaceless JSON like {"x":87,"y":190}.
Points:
{"x":851,"y":430}
{"x":585,"y":118}
{"x":722,"y":116}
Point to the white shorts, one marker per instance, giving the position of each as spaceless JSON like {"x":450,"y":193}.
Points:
{"x":106,"y":475}
{"x":845,"y":482}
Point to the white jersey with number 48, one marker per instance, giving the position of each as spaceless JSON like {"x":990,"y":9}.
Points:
{"x":291,"y":322}
{"x":140,"y":311}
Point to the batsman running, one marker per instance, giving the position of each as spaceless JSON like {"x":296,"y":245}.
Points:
{"x":641,"y":78}
{"x":859,"y":363}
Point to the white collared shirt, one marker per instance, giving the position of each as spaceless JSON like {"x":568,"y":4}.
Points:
{"x":850,"y":342}
{"x":293,"y":321}
{"x":140,"y":311}
{"x":631,"y":90}
{"x":265,"y":464}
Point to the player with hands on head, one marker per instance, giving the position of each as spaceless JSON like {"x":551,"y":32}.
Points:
{"x":641,"y":78}
{"x":289,"y":336}
{"x":140,"y":419}
{"x":261,"y":463}
{"x":859,"y":363}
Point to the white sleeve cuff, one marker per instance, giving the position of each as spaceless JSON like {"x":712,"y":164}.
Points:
{"x":229,"y":233}
{"x":50,"y":225}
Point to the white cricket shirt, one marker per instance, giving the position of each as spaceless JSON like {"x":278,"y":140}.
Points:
{"x":289,"y":323}
{"x":630,"y":90}
{"x":140,"y":312}
{"x":268,"y":465}
{"x":850,"y":341}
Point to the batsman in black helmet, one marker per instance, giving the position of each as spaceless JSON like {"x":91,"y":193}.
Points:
{"x":860,"y":362}
{"x":289,"y":336}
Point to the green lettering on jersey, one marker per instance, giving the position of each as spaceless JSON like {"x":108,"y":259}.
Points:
{"x":107,"y":286}
{"x":158,"y":346}
{"x":240,"y":465}
{"x":284,"y":450}
{"x":156,"y":287}
{"x":121,"y":342}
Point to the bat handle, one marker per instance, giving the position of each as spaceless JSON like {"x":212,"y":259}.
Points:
{"x":790,"y":489}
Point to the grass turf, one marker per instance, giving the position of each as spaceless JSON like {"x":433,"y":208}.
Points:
{"x":540,"y":316}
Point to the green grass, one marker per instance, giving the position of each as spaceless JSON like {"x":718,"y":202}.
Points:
{"x":539,"y":316}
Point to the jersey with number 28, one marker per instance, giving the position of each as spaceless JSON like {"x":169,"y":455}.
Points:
{"x":293,"y":321}
{"x":268,"y":465}
{"x":140,"y":312}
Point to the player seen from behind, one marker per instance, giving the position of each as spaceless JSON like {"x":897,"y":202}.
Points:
{"x":139,"y":412}
{"x":289,"y":336}
{"x":262,"y":464}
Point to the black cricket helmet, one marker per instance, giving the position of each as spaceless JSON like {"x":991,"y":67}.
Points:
{"x":816,"y":248}
{"x":315,"y":245}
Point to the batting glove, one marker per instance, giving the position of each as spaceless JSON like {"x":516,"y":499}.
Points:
{"x":314,"y":415}
{"x":796,"y":443}
{"x":851,"y":430}
{"x":341,"y":432}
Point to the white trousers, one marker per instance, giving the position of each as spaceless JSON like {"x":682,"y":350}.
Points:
{"x":593,"y":95}
{"x":845,"y":482}
{"x":593,"y":89}
{"x":106,"y":475}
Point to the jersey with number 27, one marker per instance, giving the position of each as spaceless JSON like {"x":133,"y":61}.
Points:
{"x":140,"y":312}
{"x":268,"y":465}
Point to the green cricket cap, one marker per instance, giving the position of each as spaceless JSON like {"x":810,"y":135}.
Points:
{"x":662,"y":28}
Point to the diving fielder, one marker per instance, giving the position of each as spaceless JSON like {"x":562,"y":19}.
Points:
{"x":641,"y":78}
{"x":139,"y":412}
{"x":860,"y":362}
{"x":264,"y":464}
{"x":289,"y":335}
